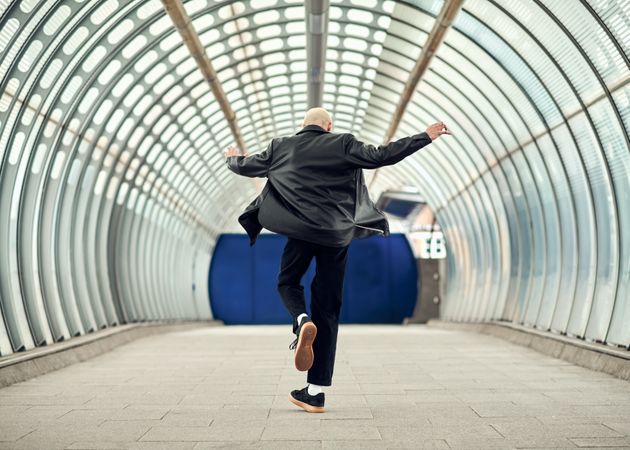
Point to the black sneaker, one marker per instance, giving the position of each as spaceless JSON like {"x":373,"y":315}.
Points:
{"x":303,"y":345}
{"x":309,"y":403}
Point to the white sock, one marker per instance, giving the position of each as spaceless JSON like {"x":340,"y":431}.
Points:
{"x":314,"y":389}
{"x":300,"y":317}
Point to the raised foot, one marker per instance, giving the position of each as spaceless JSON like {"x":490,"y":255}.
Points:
{"x":304,"y":350}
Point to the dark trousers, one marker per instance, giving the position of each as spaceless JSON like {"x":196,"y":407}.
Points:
{"x":326,"y":295}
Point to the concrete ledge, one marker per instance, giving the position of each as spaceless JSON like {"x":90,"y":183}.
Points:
{"x":40,"y":360}
{"x":603,"y":358}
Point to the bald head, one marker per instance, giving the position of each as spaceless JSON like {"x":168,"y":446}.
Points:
{"x":319,"y":117}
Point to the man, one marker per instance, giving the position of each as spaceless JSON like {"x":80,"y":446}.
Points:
{"x":317,"y":197}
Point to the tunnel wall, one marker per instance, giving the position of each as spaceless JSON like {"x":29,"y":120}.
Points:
{"x":532,"y":189}
{"x":96,"y":228}
{"x":113,"y":188}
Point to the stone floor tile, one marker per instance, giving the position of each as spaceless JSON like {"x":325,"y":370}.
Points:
{"x":241,"y":411}
{"x":60,"y":436}
{"x":81,"y":417}
{"x":236,"y":431}
{"x":439,"y":431}
{"x":376,"y":445}
{"x":199,"y":419}
{"x":345,"y":401}
{"x":236,"y":445}
{"x":255,"y":389}
{"x":622,"y":442}
{"x":95,"y":445}
{"x":380,"y":388}
{"x":13,"y":432}
{"x":196,"y":434}
{"x":348,"y":413}
{"x":570,"y":430}
{"x":291,"y":445}
{"x":292,"y":414}
{"x":622,"y":428}
{"x":349,"y":429}
{"x":52,"y":400}
{"x":388,"y":399}
{"x":547,"y":442}
{"x":166,"y":445}
{"x":472,"y":442}
{"x":431,"y":396}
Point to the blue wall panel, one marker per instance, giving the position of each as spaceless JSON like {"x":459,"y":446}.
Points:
{"x":233,"y":279}
{"x":380,"y":285}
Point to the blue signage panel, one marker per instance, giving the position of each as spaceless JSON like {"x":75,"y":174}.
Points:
{"x":380,"y":286}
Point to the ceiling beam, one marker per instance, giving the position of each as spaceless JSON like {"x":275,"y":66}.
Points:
{"x":316,"y":16}
{"x":442,"y":23}
{"x":184,"y":26}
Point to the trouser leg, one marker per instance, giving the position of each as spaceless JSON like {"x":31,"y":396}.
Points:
{"x":296,"y":258}
{"x":326,"y":297}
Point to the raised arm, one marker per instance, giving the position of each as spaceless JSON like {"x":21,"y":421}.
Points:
{"x":249,"y":166}
{"x":369,"y":156}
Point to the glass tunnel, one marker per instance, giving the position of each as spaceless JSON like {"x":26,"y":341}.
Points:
{"x":114,"y":189}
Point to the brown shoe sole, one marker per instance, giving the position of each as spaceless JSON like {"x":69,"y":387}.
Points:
{"x":306,"y":407}
{"x":304,"y":349}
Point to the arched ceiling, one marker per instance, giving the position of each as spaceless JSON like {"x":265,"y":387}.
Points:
{"x":104,"y":111}
{"x":119,"y":84}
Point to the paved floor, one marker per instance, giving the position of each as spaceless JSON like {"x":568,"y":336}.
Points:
{"x":394,"y":387}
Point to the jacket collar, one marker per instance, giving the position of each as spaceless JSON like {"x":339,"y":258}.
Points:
{"x":315,"y":128}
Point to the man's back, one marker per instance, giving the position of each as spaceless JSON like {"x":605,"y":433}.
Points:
{"x":316,"y":191}
{"x":309,"y":171}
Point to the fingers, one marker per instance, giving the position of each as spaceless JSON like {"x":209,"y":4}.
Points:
{"x":443,"y":129}
{"x":438,"y":129}
{"x":230,"y":151}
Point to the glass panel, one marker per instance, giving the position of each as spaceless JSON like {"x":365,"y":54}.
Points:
{"x":616,"y":260}
{"x":606,"y":221}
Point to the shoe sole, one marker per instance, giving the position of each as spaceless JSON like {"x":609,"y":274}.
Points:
{"x":306,"y":407}
{"x":304,"y":349}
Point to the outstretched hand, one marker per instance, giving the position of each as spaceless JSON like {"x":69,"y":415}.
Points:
{"x":231,"y":151}
{"x":436,"y":130}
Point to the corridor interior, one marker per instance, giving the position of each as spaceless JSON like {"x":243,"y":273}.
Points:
{"x":114,"y":195}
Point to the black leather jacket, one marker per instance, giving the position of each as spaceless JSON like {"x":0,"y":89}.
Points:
{"x":315,"y":189}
